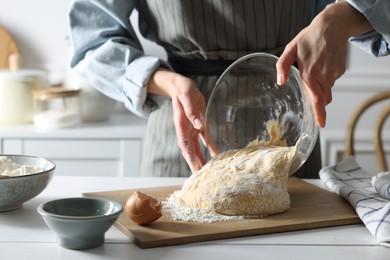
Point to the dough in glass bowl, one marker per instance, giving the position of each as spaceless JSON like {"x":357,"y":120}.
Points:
{"x":248,"y":181}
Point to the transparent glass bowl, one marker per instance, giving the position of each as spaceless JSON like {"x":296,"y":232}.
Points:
{"x":246,"y":97}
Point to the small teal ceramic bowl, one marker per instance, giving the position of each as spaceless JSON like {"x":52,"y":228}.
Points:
{"x":16,"y":190}
{"x":80,"y":223}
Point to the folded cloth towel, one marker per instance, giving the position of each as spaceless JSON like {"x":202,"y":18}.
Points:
{"x":381,"y":183}
{"x":350,"y":181}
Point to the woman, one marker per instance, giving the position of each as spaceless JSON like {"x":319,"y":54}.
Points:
{"x":201,"y":39}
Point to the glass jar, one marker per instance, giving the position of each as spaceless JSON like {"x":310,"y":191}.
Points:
{"x":56,"y":108}
{"x":16,"y":102}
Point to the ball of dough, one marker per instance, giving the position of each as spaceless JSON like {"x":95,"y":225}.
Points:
{"x":248,"y":181}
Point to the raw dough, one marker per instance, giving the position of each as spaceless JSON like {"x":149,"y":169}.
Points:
{"x":248,"y":181}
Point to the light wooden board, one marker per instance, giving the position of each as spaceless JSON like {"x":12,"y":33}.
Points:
{"x":8,"y":46}
{"x":311,"y":207}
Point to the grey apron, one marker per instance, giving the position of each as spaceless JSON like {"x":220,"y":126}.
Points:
{"x":213,"y":30}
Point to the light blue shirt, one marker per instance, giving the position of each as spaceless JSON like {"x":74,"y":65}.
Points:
{"x":109,"y":55}
{"x":378,"y":14}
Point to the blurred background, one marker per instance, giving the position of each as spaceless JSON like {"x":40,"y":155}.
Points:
{"x":40,"y":28}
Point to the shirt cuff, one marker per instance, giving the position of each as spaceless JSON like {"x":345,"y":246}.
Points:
{"x":134,"y":87}
{"x":372,"y":43}
{"x":377,"y":41}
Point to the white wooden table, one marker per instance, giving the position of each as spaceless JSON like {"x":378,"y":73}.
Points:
{"x":24,"y":235}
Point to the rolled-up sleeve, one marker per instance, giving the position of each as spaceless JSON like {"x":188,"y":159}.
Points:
{"x":107,"y":53}
{"x":377,"y":13}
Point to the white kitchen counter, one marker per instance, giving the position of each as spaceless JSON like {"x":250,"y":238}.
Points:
{"x":118,"y":125}
{"x":108,"y":148}
{"x":24,"y":234}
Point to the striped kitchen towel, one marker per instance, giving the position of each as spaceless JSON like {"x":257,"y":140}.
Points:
{"x":361,"y":190}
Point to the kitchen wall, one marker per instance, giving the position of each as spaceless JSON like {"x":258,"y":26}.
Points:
{"x":41,"y":26}
{"x":365,"y":77}
{"x":40,"y":29}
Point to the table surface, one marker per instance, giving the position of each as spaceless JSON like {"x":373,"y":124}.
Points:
{"x":24,"y":235}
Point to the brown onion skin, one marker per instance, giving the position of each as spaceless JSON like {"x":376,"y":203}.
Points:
{"x":142,"y":209}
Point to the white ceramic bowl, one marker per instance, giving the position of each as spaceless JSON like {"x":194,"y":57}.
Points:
{"x":14,"y":191}
{"x":246,"y":97}
{"x":80,"y":223}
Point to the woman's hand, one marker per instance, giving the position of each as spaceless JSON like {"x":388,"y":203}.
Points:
{"x":189,"y":108}
{"x":321,"y":52}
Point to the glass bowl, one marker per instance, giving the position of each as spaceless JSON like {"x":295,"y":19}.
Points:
{"x":246,"y":97}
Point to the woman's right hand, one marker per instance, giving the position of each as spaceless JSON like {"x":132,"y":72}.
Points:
{"x":321,"y":51}
{"x":189,"y":108}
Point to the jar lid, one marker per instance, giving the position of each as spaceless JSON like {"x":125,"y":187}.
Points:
{"x":21,"y":74}
{"x":57,"y":92}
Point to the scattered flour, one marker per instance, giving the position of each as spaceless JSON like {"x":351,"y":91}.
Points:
{"x":10,"y":168}
{"x":180,"y":212}
{"x":250,"y":182}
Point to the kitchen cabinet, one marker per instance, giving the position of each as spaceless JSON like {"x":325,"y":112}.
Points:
{"x":110,"y":148}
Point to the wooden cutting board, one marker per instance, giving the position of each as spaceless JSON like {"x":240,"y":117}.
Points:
{"x":311,"y":207}
{"x":8,"y":47}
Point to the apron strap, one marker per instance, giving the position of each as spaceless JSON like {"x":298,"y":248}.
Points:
{"x":199,"y":67}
